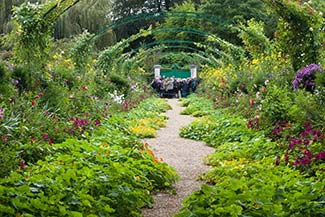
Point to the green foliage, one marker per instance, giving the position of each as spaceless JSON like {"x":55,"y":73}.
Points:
{"x":247,"y":178}
{"x":111,"y":173}
{"x":82,"y":50}
{"x":320,"y":79}
{"x":6,"y":84}
{"x":31,"y":32}
{"x":230,"y":129}
{"x":85,"y":178}
{"x":119,"y":81}
{"x":175,"y":22}
{"x":300,"y":31}
{"x":256,"y":190}
{"x":56,"y":97}
{"x":236,"y":11}
{"x":23,"y":75}
{"x":90,"y":15}
{"x":278,"y":106}
{"x":254,"y":39}
{"x":194,"y":106}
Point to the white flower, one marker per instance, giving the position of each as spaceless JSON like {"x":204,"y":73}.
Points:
{"x":117,"y":98}
{"x":257,"y":95}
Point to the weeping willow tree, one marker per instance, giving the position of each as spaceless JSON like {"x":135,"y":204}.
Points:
{"x":90,"y":15}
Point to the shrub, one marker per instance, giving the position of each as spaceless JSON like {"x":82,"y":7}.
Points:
{"x":305,"y":78}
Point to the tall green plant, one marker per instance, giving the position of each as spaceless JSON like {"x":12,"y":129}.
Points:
{"x":254,"y":39}
{"x":81,"y":52}
{"x":33,"y":27}
{"x":31,"y":35}
{"x":300,"y":31}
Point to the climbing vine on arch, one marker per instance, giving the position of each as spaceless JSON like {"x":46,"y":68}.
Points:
{"x":33,"y":27}
{"x":300,"y":31}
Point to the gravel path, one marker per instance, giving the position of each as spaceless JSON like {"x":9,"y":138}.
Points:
{"x":184,"y":155}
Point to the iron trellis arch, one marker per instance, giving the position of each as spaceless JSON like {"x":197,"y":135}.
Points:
{"x":199,"y":45}
{"x":118,"y":48}
{"x":211,"y":36}
{"x":163,"y":54}
{"x":211,"y":57}
{"x":159,"y":15}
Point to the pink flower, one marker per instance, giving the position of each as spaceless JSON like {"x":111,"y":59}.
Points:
{"x":307,"y":153}
{"x":97,"y":122}
{"x":251,"y":101}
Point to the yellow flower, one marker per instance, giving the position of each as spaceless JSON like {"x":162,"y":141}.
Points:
{"x":255,"y":61}
{"x":55,"y":57}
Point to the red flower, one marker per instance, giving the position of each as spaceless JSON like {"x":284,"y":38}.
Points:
{"x":33,"y":102}
{"x":22,"y":164}
{"x":84,"y":87}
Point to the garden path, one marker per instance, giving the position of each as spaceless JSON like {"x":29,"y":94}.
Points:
{"x":184,"y":155}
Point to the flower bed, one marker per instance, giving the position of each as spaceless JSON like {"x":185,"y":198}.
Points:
{"x":249,"y":177}
{"x":108,"y":174}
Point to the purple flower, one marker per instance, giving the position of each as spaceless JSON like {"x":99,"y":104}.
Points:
{"x":320,"y":156}
{"x":2,"y":110}
{"x":286,"y":157}
{"x":277,"y":161}
{"x":45,"y":136}
{"x":10,"y":66}
{"x":308,"y":127}
{"x":305,"y":161}
{"x":305,"y":77}
{"x":306,"y":142}
{"x":276,"y":132}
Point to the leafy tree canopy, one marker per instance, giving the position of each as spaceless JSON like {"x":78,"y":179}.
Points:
{"x":238,"y":11}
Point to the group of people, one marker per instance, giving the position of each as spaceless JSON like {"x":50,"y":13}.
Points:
{"x":174,"y":87}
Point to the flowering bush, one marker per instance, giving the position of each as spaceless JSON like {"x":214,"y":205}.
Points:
{"x":306,"y":149}
{"x":305,"y":78}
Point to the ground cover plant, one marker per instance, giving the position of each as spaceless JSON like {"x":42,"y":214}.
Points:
{"x":251,"y":175}
{"x":110,"y":173}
